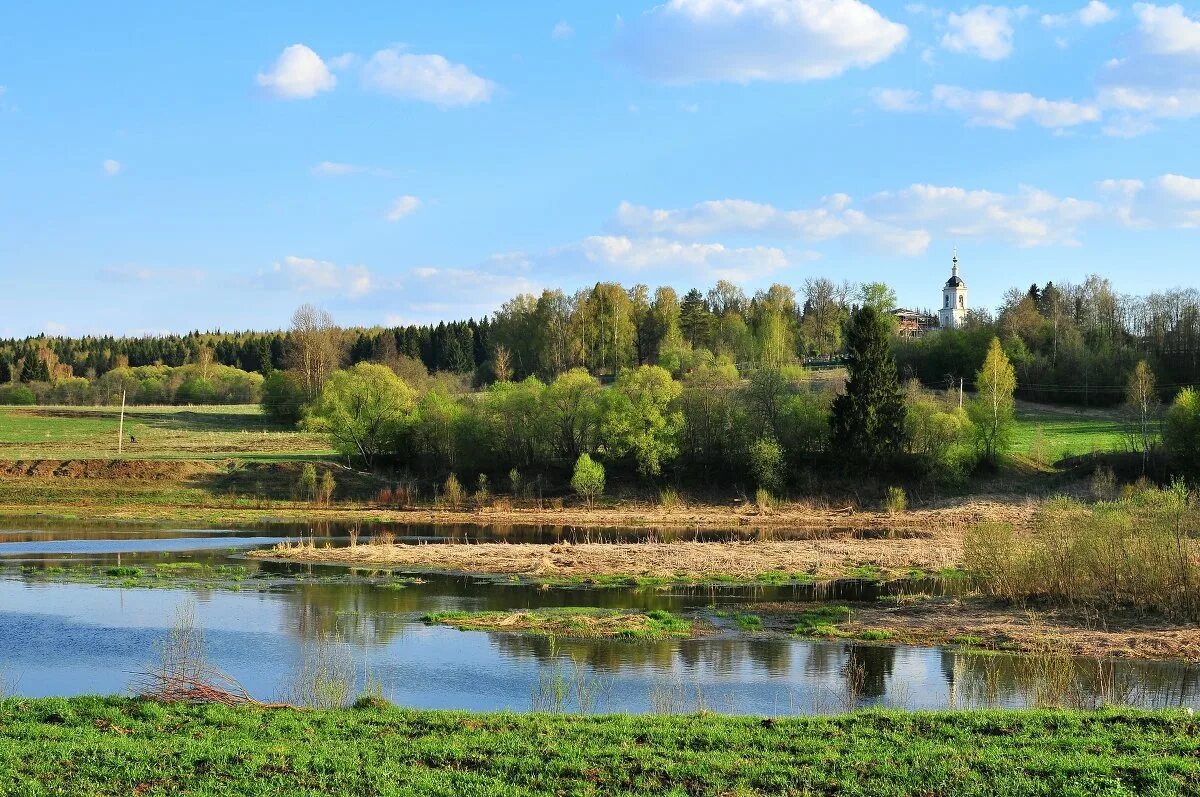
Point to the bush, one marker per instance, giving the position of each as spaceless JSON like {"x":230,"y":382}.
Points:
{"x":766,"y":464}
{"x":1181,"y":433}
{"x":763,"y":499}
{"x":588,"y":479}
{"x":17,"y":396}
{"x":283,"y":398}
{"x":895,"y":501}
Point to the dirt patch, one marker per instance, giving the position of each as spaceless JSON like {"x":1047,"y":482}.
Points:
{"x":819,"y":558}
{"x":985,"y":624}
{"x":137,"y":469}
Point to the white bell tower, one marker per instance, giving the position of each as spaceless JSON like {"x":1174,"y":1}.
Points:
{"x":954,"y":299}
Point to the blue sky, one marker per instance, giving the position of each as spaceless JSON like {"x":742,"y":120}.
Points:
{"x":167,"y":167}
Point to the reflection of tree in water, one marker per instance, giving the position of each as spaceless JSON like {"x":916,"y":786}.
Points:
{"x":871,"y":666}
{"x":773,"y":655}
{"x":602,"y":655}
{"x":361,"y":613}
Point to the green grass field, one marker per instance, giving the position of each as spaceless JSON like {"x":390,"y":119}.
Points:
{"x":1047,"y":434}
{"x":203,"y":432}
{"x":117,"y":746}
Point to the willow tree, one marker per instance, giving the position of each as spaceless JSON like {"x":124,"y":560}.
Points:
{"x":868,"y":419}
{"x":992,"y":408}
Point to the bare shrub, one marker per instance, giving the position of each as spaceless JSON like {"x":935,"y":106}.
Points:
{"x":1103,"y":484}
{"x":325,"y":675}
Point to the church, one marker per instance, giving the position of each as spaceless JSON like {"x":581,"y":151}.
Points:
{"x":954,"y":299}
{"x":951,"y":315}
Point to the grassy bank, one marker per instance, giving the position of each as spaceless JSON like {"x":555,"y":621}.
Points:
{"x":573,"y":622}
{"x":94,"y":746}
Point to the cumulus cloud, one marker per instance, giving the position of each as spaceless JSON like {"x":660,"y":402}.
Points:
{"x":687,"y":41}
{"x":403,"y":206}
{"x":427,"y":78}
{"x":832,"y":218}
{"x":562,"y":31}
{"x":984,"y":31}
{"x":1092,"y":14}
{"x":320,"y":277}
{"x":894,"y":222}
{"x":111,"y":167}
{"x":1171,"y":201}
{"x":298,"y":74}
{"x":710,"y":260}
{"x":1007,"y":109}
{"x":1030,"y":217}
{"x":1159,"y":78}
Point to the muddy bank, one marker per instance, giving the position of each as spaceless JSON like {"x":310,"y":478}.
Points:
{"x":980,"y":623}
{"x":744,"y":561}
{"x":137,"y":469}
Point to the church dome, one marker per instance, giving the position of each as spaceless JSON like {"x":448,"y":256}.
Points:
{"x":955,"y":282}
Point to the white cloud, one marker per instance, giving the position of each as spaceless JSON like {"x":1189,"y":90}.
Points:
{"x":427,"y":78}
{"x":1167,"y":30}
{"x":298,"y":74}
{"x":1092,"y":14}
{"x":686,"y":41}
{"x":111,"y":167}
{"x":403,"y":206}
{"x":1030,"y":217}
{"x":710,"y":260}
{"x":338,"y":169}
{"x":984,"y":31}
{"x":1159,"y":78}
{"x":901,"y":222}
{"x":322,"y":277}
{"x":897,"y":100}
{"x":1006,"y":109}
{"x":833,"y":218}
{"x":562,"y":31}
{"x":135,"y":274}
{"x":1171,"y":201}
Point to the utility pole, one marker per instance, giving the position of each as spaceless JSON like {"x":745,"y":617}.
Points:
{"x":121,"y":426}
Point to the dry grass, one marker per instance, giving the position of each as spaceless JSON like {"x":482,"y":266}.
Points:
{"x":986,"y":624}
{"x":821,"y":558}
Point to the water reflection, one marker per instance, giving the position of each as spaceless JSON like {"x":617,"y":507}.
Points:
{"x":63,"y":638}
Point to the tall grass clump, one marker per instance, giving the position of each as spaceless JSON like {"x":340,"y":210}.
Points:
{"x":896,"y":501}
{"x":1140,"y":552}
{"x":453,"y":493}
{"x":669,"y":499}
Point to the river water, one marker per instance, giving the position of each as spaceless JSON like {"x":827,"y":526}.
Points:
{"x":62,"y":638}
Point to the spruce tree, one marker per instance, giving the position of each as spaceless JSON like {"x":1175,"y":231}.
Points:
{"x":868,"y":419}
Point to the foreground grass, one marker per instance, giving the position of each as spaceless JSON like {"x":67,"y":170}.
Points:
{"x":577,"y":622}
{"x":110,"y":746}
{"x":199,"y":432}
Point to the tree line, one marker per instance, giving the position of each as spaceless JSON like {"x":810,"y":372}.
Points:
{"x":1068,"y":343}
